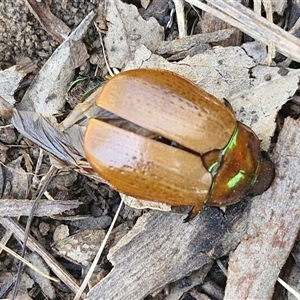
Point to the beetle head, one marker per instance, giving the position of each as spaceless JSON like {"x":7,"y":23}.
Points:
{"x":243,"y":169}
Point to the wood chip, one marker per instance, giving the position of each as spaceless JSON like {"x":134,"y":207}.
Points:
{"x":273,"y":227}
{"x":17,"y":208}
{"x":161,"y":249}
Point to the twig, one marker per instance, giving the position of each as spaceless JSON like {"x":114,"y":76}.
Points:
{"x":96,"y":259}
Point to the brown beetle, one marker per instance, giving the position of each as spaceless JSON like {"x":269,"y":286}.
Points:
{"x":216,"y":160}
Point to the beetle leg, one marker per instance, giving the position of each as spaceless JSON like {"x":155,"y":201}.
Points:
{"x":193,"y":212}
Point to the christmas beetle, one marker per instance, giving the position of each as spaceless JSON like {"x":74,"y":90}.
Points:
{"x":212,"y":159}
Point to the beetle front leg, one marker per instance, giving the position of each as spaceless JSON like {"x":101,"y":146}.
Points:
{"x":193,"y":212}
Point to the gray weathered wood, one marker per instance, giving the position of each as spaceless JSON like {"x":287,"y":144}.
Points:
{"x":274,"y":224}
{"x":161,"y":249}
{"x":17,"y":208}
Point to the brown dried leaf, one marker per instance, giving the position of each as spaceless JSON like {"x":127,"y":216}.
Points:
{"x":16,"y":179}
{"x":47,"y":91}
{"x":127,"y":30}
{"x":54,"y":26}
{"x":10,"y":78}
{"x":78,"y":53}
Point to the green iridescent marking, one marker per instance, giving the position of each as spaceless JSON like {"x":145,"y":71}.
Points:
{"x":236,"y":179}
{"x":256,"y":175}
{"x":232,"y":142}
{"x":211,"y":168}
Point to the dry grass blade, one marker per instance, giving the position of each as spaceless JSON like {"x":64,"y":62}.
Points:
{"x":27,"y":263}
{"x":35,"y":246}
{"x":52,"y":172}
{"x":182,"y":28}
{"x":289,"y":288}
{"x":97,"y":257}
{"x":256,"y":26}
